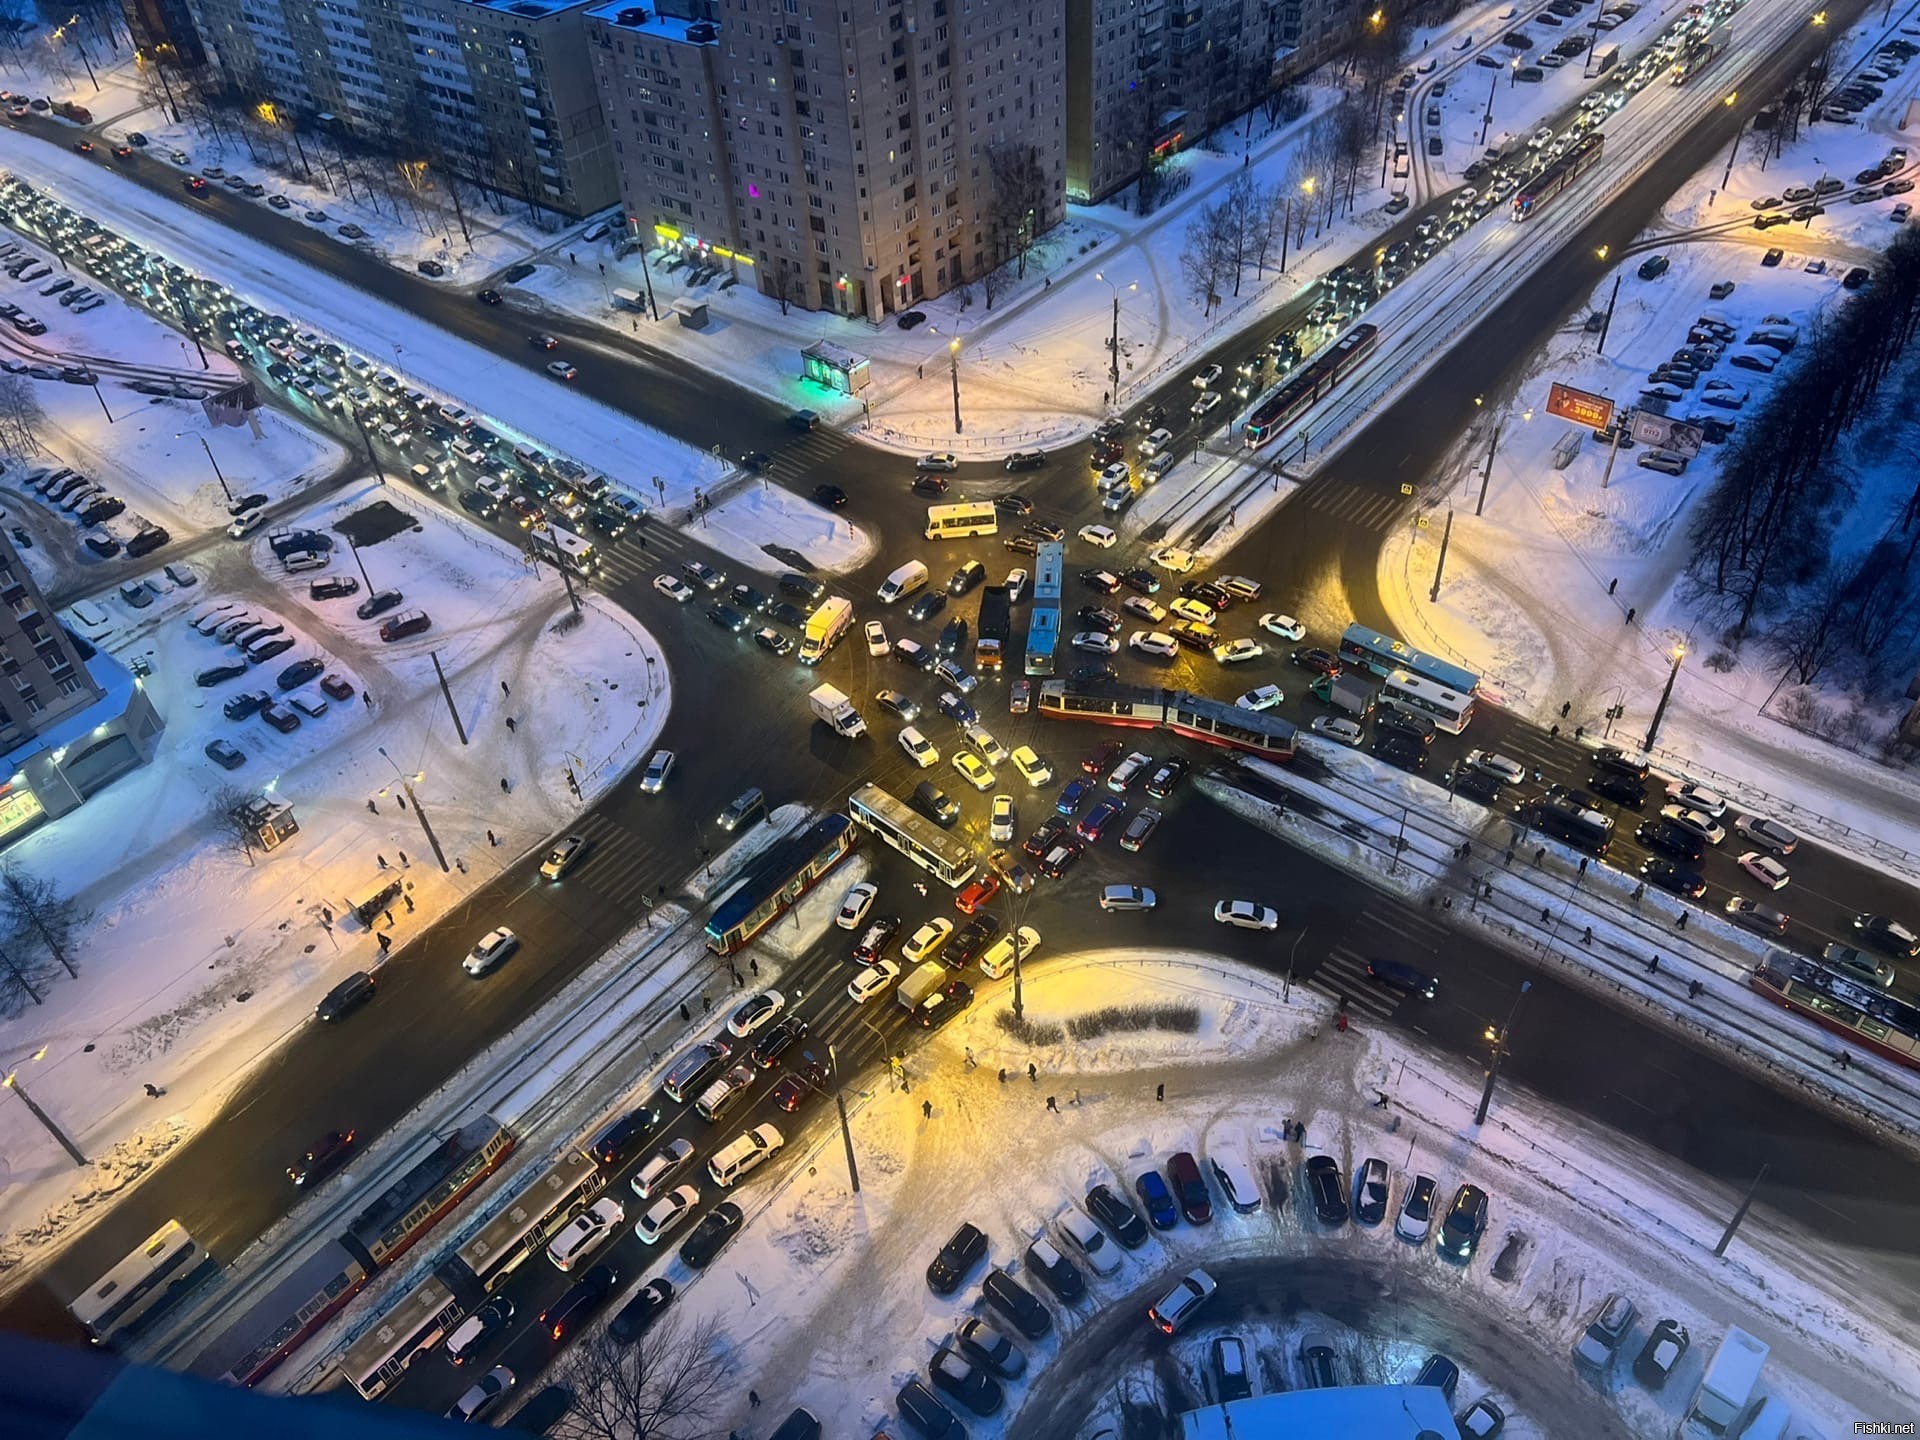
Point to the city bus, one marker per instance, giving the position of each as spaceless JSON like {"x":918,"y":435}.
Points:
{"x":940,"y":854}
{"x":411,"y":1329}
{"x":484,"y":1263}
{"x":559,"y":546}
{"x":957,"y":522}
{"x":1382,"y":654}
{"x":1448,"y":709}
{"x":1043,"y":618}
{"x":168,"y":1265}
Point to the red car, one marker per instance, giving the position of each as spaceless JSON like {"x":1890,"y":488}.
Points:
{"x":323,"y":1159}
{"x":1102,"y":760}
{"x":336,"y":687}
{"x":977,"y":894}
{"x":792,"y":1092}
{"x":1183,"y":1173}
{"x":1097,"y":819}
{"x":194,"y":184}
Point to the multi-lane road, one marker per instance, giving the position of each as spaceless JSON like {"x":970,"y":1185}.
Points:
{"x":372,"y":1071}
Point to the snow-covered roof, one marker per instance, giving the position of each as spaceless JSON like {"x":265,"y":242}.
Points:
{"x":1379,"y":1412}
{"x":113,"y":678}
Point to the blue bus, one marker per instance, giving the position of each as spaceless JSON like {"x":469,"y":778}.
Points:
{"x":1043,"y":623}
{"x":777,"y":880}
{"x":1382,"y":654}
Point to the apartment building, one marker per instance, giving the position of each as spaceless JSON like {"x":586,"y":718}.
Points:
{"x":502,"y":88}
{"x":1146,"y":77}
{"x":71,"y":719}
{"x":848,"y":155}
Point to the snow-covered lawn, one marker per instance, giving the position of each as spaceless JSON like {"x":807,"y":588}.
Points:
{"x":822,"y":1295}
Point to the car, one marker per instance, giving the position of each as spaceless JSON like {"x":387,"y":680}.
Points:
{"x":1669,"y":876}
{"x":673,"y":588}
{"x":874,"y":940}
{"x":1183,"y":1173}
{"x":1098,"y":618}
{"x":930,"y":604}
{"x":1246,"y":915}
{"x":704,"y":575}
{"x":756,"y":1013}
{"x":563,"y":856}
{"x":854,"y":907}
{"x":727,"y":618}
{"x":561,"y":370}
{"x":1033,"y":769}
{"x":1371,"y":1192}
{"x":299,"y":673}
{"x":1237,"y":652}
{"x":1329,"y":1194}
{"x":1670,"y":839}
{"x":1694,"y":822}
{"x":326,"y":1156}
{"x":1050,"y":833}
{"x":1768,"y":834}
{"x":873,"y":980}
{"x":638,"y":1315}
{"x":964,"y":1250}
{"x":1056,"y":1272}
{"x":1140,"y":828}
{"x":1099,"y":535}
{"x":927,"y":941}
{"x":1127,"y":897}
{"x":877,"y":643}
{"x":973,"y":770}
{"x":1753,"y":915}
{"x":1072,"y":795}
{"x":1118,"y":1216}
{"x":1889,"y":934}
{"x":483,"y":1397}
{"x":966,"y":1382}
{"x":986,"y":1345}
{"x":1416,"y":1210}
{"x":1606,"y":1332}
{"x":1400,"y":976}
{"x":1086,"y":1240}
{"x":800,"y":1083}
{"x":493,"y":948}
{"x":1178,"y":1305}
{"x":1654,"y":267}
{"x":1481,"y":1420}
{"x":246,"y":703}
{"x":919,"y":749}
{"x":479,"y":1329}
{"x":1338,"y":728}
{"x":777,"y":1041}
{"x":894,"y":703}
{"x":659,"y":767}
{"x":772,"y":640}
{"x":220,"y":674}
{"x":1157,"y":1199}
{"x":1621,"y":789}
{"x":1229,"y":1367}
{"x":1061,"y":857}
{"x":1105,"y":582}
{"x":1773,"y":257}
{"x":1096,"y":820}
{"x":972,"y":939}
{"x":1764,"y":868}
{"x":1697,"y":797}
{"x":1261,"y":697}
{"x":1466,"y":1222}
{"x":944,"y":462}
{"x":931,"y":486}
{"x":587,"y":1231}
{"x":917,"y":1404}
{"x":1016,"y":1303}
{"x":1285,"y":626}
{"x":1206,"y":376}
{"x":1666,"y":1346}
{"x":715,"y":1229}
{"x":977,"y":893}
{"x":1317,"y":1365}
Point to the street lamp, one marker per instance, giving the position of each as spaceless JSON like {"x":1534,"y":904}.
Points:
{"x":1497,"y":1041}
{"x":1286,"y":233}
{"x":181,"y":435}
{"x":1113,"y":342}
{"x":1666,"y":694}
{"x":407,"y":784}
{"x":953,"y":366}
{"x":12,"y":1082}
{"x":1513,"y":73}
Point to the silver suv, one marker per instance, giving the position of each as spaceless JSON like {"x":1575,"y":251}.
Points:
{"x":1128,"y":897}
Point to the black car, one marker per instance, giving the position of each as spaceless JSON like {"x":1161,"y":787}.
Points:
{"x":1320,"y":662}
{"x":934,"y":803}
{"x":1329,"y":1193}
{"x":1466,"y":1222}
{"x":1665,"y":1347}
{"x":327,"y":1155}
{"x":478,"y":502}
{"x":1402,"y":976}
{"x":755,"y":462}
{"x":1118,"y":1216}
{"x":622,"y":1140}
{"x":932,"y":486}
{"x":333,"y":587}
{"x":929,"y":604}
{"x":1017,"y":1303}
{"x":1674,"y":878}
{"x":727,"y":618}
{"x":488,"y":297}
{"x":1399,"y":749}
{"x":953,"y":636}
{"x":777,"y":1041}
{"x":639,"y":1313}
{"x":147,"y":541}
{"x":1022,"y":544}
{"x":1670,"y":839}
{"x":966,"y":1249}
{"x":1056,"y":1272}
{"x":966,"y":1381}
{"x":1161,"y":783}
{"x":219,"y":675}
{"x":1044,"y":530}
{"x":1142,"y":581}
{"x":285,"y":721}
{"x":831,"y":496}
{"x":300,"y":672}
{"x":940,"y":1007}
{"x":1207,"y":593}
{"x":1475,"y":784}
{"x":378,"y":603}
{"x":1404,"y":722}
{"x":583,"y":1298}
{"x":747,"y":600}
{"x":922,"y":1409}
{"x":240,"y":706}
{"x":105,"y":546}
{"x":802,"y":586}
{"x":1621,"y":789}
{"x":973,"y":938}
{"x":1027,"y":460}
{"x":788,"y":614}
{"x":1441,"y":1373}
{"x":1013,"y":503}
{"x":720,"y":1225}
{"x":1093,"y":674}
{"x":1098,"y":617}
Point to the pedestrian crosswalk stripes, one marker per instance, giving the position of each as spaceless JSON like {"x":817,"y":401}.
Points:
{"x":1369,"y":510}
{"x":1344,"y":974}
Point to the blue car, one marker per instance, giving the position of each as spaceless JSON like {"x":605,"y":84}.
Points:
{"x":1158,"y":1199}
{"x":1070,"y":798}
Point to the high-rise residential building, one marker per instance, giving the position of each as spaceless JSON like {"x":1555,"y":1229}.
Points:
{"x":71,"y":718}
{"x":847,"y":155}
{"x":500,"y":90}
{"x":1145,"y":77}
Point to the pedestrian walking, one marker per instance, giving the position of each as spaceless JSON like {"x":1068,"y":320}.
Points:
{"x":1553,"y":731}
{"x":505,"y":789}
{"x":404,"y":862}
{"x":491,"y":839}
{"x":153,"y":1091}
{"x":1508,"y":861}
{"x":1446,"y":902}
{"x":753,"y":1399}
{"x":1681,"y":923}
{"x":1076,"y":1097}
{"x":1380,"y":1103}
{"x":373,"y":807}
{"x":1653,"y":965}
{"x":1003,"y":1074}
{"x":1565,"y":707}
{"x":706,"y":1005}
{"x":386,"y":942}
{"x":1340,"y":1022}
{"x":1586,"y":937}
{"x":1613,"y":584}
{"x":1540,"y":856}
{"x":1694,"y":987}
{"x":1583,"y":864}
{"x":1843,"y":1061}
{"x":389,"y":919}
{"x":738,"y":978}
{"x":926,"y":1109}
{"x":383,"y":862}
{"x":1639,"y":891}
{"x":1546,"y":916}
{"x":512,"y":725}
{"x":409,"y":900}
{"x":1053,"y":1105}
{"x":1033,"y":1072}
{"x":1631,"y":612}
{"x":1160,"y":1091}
{"x":460,"y":864}
{"x":685,"y":1014}
{"x":753,"y":965}
{"x":506,"y":689}
{"x":969,"y":1061}
{"x":1579,"y":732}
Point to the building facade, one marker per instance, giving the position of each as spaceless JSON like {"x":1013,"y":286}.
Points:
{"x":854,"y":159}
{"x":71,"y":719}
{"x":501,"y":91}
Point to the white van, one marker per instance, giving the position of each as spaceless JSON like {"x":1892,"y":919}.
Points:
{"x":721,"y":1097}
{"x":903,"y":582}
{"x":745,"y":1153}
{"x":1769,"y":1422}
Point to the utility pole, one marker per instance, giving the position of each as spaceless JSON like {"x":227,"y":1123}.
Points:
{"x":1493,"y":87}
{"x":953,"y":365}
{"x":1486,"y":473}
{"x":1607,"y":324}
{"x":426,"y":827}
{"x":1439,"y":568}
{"x":12,"y":1082}
{"x":367,"y":440}
{"x":1113,"y":347}
{"x":846,"y":1131}
{"x":1613,"y":451}
{"x":1499,"y":1044}
{"x":361,"y":564}
{"x":1666,"y":694}
{"x":1726,"y":1237}
{"x":103,"y":404}
{"x":1019,"y":1004}
{"x":459,"y":729}
{"x":225,"y":488}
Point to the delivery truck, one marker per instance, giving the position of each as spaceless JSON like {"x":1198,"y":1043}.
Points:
{"x":824,"y":629}
{"x":832,"y":706}
{"x":921,"y":983}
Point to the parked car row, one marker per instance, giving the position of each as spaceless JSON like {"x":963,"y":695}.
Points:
{"x":256,"y":639}
{"x":72,"y":494}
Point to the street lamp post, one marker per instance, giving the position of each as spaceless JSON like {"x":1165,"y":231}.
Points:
{"x":846,"y":1131}
{"x":953,"y":366}
{"x":1498,"y":1041}
{"x":1113,"y":341}
{"x":406,"y":783}
{"x":181,"y":435}
{"x":1738,"y":135}
{"x":12,"y":1082}
{"x":1666,"y":694}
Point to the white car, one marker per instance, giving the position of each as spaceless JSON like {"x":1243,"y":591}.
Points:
{"x":666,"y":1213}
{"x":1502,"y":767}
{"x":1087,"y":1240}
{"x":1246,"y":915}
{"x":673,"y":588}
{"x":1236,"y":652}
{"x":1767,"y":834}
{"x":858,"y":902}
{"x":1000,"y":826}
{"x":659,"y":767}
{"x":246,"y":524}
{"x":1154,"y":642}
{"x":1151,"y":611}
{"x":1173,"y":559}
{"x":981,"y":738}
{"x":1095,"y":642}
{"x":927,"y":941}
{"x":1698,"y":797}
{"x":1261,"y":697}
{"x":944,"y":460}
{"x":650,"y":1180}
{"x":494,"y":947}
{"x":1285,"y":626}
{"x":1099,"y":535}
{"x":872,"y":980}
{"x":562,"y":857}
{"x":1764,"y":868}
{"x":1235,"y":1178}
{"x":1337,"y":727}
{"x":1176,"y":1307}
{"x":973,"y":770}
{"x":1695,"y":822}
{"x":1033,"y":769}
{"x":1205,"y":405}
{"x":484,"y":1396}
{"x":1118,"y":473}
{"x":588,"y":1230}
{"x":1156,"y":441}
{"x":877,"y":642}
{"x":997,"y":963}
{"x":1016,"y":586}
{"x":919,"y":749}
{"x":1206,"y":377}
{"x":1416,"y":1210}
{"x":756,"y":1014}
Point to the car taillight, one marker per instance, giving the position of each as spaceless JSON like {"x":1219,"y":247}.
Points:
{"x":559,"y":1331}
{"x":1165,"y":1327}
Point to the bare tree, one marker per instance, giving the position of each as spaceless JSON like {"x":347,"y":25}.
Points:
{"x":16,"y":984}
{"x":1022,"y":202}
{"x":20,"y":416}
{"x":230,"y":817}
{"x":995,"y":283}
{"x":1808,"y":638}
{"x":36,"y":909}
{"x":664,"y":1386}
{"x":1208,"y":256}
{"x":786,"y":283}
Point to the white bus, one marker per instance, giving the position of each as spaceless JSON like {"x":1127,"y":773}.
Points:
{"x":1448,"y":709}
{"x":558,"y":546}
{"x":168,"y":1265}
{"x":945,"y":856}
{"x":957,"y":522}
